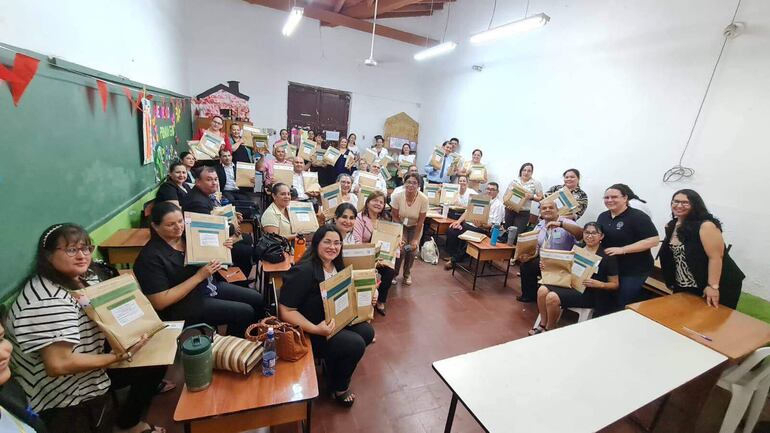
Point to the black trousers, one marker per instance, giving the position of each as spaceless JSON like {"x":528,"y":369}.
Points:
{"x":455,"y":246}
{"x":530,"y":272}
{"x":236,"y":195}
{"x":386,"y":277}
{"x":143,"y":383}
{"x":520,"y":220}
{"x":342,"y":353}
{"x":242,"y":252}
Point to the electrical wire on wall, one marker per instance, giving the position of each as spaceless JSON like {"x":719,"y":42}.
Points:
{"x":679,"y":172}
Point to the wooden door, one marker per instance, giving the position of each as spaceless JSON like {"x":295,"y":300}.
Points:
{"x":318,"y":109}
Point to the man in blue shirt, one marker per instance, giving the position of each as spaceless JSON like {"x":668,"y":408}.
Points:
{"x":441,"y":175}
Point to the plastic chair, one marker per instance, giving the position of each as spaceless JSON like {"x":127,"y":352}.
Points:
{"x":583,"y":315}
{"x":749,"y":386}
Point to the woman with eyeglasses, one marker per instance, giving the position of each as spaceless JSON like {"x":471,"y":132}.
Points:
{"x":301,"y":304}
{"x":629,"y":234}
{"x":551,"y":300}
{"x":693,"y":256}
{"x":60,"y":358}
{"x":409,"y":209}
{"x":216,"y":127}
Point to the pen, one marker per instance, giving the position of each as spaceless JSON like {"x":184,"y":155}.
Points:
{"x":705,"y":337}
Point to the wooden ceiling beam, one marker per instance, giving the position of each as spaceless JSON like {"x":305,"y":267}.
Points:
{"x":399,"y":14}
{"x":420,"y":8}
{"x":333,"y":18}
{"x":362,"y":10}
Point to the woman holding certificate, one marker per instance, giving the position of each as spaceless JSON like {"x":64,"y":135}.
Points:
{"x":629,"y":234}
{"x":346,"y":188}
{"x":275,"y":219}
{"x":599,"y":288}
{"x":572,"y":183}
{"x":374,"y":209}
{"x":341,"y":166}
{"x":301,"y":304}
{"x":279,"y":153}
{"x":189,"y":293}
{"x":60,"y":358}
{"x":175,"y":188}
{"x":474,"y":170}
{"x":534,"y":189}
{"x":409,"y":209}
{"x":215,"y":128}
{"x":693,"y":254}
{"x":465,"y":191}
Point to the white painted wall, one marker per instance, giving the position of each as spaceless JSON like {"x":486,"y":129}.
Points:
{"x":248,"y":47}
{"x":138,"y":39}
{"x":612,"y":88}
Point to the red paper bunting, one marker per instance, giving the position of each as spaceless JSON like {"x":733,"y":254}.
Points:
{"x":102,"y":93}
{"x":24,"y":69}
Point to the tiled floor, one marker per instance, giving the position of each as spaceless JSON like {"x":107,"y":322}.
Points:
{"x":436,"y":317}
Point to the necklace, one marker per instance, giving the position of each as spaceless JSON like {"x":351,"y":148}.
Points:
{"x":410,"y":202}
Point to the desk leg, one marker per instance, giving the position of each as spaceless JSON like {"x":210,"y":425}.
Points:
{"x":507,"y":269}
{"x":451,"y":416}
{"x":187,"y":428}
{"x":476,"y":273}
{"x":306,"y":428}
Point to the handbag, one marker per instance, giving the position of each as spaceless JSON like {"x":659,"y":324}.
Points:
{"x":236,"y":354}
{"x":291,"y":343}
{"x":271,"y":248}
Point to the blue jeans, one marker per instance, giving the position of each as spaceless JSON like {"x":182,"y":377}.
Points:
{"x":630,"y":290}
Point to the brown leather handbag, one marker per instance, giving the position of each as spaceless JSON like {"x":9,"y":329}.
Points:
{"x":291,"y":342}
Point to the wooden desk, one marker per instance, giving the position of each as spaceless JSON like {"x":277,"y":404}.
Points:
{"x":235,"y":403}
{"x":578,"y":378}
{"x":273,"y":270}
{"x":483,"y":252}
{"x":124,"y":245}
{"x":733,"y":333}
{"x":439,"y":226}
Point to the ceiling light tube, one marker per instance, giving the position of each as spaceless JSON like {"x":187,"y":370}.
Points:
{"x":295,"y":16}
{"x":520,"y":26}
{"x":435,"y":50}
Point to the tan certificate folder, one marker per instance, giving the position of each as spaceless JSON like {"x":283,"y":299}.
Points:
{"x":359,"y":256}
{"x":244,"y":174}
{"x":205,"y":236}
{"x":283,"y":173}
{"x":160,"y":348}
{"x":339,"y":298}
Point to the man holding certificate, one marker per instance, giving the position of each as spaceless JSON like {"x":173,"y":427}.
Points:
{"x":456,"y":247}
{"x":301,"y":303}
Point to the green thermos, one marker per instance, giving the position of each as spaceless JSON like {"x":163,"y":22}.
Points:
{"x":197,"y":357}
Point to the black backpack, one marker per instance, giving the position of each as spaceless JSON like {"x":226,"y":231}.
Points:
{"x":271,"y":247}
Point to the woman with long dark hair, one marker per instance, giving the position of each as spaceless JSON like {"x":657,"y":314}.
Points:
{"x":175,"y":188}
{"x":301,"y":304}
{"x":693,"y":256}
{"x":61,"y":360}
{"x":363,"y":228}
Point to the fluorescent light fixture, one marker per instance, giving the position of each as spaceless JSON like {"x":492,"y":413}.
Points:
{"x":435,"y":50}
{"x":520,"y":26}
{"x":295,"y":16}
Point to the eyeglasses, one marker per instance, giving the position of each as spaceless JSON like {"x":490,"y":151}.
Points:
{"x":591,"y":234}
{"x":328,"y":243}
{"x":73,"y":251}
{"x":682,"y":203}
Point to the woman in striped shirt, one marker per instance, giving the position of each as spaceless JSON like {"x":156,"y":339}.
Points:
{"x":60,"y":353}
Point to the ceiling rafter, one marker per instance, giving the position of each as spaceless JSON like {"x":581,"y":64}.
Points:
{"x":338,"y":19}
{"x":362,"y":10}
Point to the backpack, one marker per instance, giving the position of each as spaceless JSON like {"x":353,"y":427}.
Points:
{"x":270,"y":247}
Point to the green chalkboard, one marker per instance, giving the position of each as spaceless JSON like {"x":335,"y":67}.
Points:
{"x":64,"y":160}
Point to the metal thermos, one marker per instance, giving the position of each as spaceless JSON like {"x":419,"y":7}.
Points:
{"x":197,"y":357}
{"x":512,"y":235}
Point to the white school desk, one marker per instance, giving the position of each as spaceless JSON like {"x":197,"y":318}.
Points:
{"x":579,"y":378}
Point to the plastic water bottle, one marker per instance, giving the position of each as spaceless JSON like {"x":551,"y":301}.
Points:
{"x":495,"y":234}
{"x":269,"y":355}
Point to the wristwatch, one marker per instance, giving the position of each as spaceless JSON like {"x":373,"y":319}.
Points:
{"x":715,"y":287}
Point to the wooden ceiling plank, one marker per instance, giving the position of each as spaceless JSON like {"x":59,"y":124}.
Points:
{"x":363,"y":11}
{"x":332,"y":18}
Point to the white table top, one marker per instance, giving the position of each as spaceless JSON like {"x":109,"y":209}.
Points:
{"x":578,"y":378}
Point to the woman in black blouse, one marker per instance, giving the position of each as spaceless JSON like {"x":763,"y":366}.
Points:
{"x":189,"y":293}
{"x":693,"y":256}
{"x":175,"y":188}
{"x":301,"y":305}
{"x":599,"y":292}
{"x":188,"y":159}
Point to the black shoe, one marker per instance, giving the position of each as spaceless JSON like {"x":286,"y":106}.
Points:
{"x":525,"y":299}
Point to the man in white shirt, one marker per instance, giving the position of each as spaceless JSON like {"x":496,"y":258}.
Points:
{"x":298,"y":182}
{"x":455,"y":246}
{"x":226,"y":173}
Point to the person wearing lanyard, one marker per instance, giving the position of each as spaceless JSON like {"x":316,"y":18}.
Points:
{"x":556,"y":233}
{"x":409,"y":209}
{"x":440,"y":175}
{"x":301,"y":304}
{"x":629,"y":234}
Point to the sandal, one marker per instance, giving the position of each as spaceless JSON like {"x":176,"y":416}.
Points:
{"x":165,"y":386}
{"x":345,"y":399}
{"x":380,"y":310}
{"x":153,"y":429}
{"x":537,"y":330}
